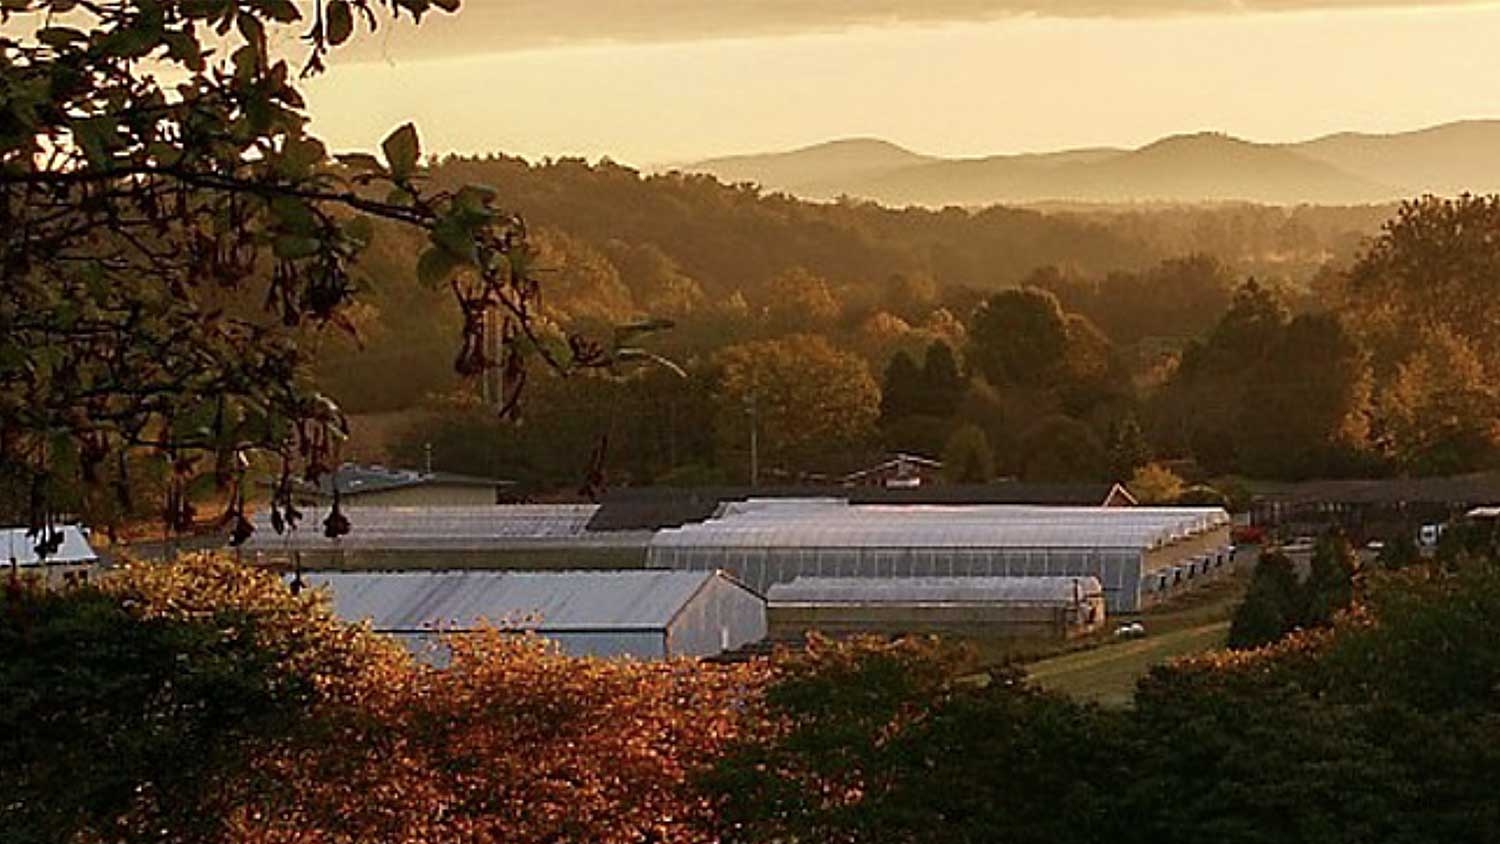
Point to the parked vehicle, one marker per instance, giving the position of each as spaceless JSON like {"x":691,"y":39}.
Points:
{"x":1429,"y":535}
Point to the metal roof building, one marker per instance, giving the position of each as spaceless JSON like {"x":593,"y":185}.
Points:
{"x":652,"y":508}
{"x":376,"y":485}
{"x":21,"y":549}
{"x":1139,"y":554}
{"x":641,"y":614}
{"x":1012,"y":607}
{"x":494,"y":536}
{"x":73,"y":558}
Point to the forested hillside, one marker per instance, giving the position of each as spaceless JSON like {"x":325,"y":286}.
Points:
{"x":1070,"y":343}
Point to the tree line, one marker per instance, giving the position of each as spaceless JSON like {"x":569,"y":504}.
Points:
{"x":1366,"y":370}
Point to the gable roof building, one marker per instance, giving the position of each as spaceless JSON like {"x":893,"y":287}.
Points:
{"x":443,"y":537}
{"x":654,"y":508}
{"x":640,"y":614}
{"x":1140,"y":555}
{"x":73,"y":558}
{"x":374,"y":485}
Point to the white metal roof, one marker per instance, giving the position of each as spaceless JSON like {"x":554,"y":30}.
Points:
{"x":75,"y":548}
{"x":456,"y":528}
{"x":396,"y":602}
{"x":828,"y":523}
{"x":934,"y":590}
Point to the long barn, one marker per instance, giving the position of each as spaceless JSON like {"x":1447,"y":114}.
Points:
{"x":1139,"y":555}
{"x":638,"y":614}
{"x":1034,"y":608}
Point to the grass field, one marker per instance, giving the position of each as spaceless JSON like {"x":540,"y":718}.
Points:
{"x":1106,"y":672}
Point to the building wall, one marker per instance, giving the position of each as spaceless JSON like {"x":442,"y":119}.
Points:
{"x":557,"y":555}
{"x":1118,"y":570}
{"x":1211,"y":542}
{"x":608,"y":644}
{"x":1177,"y":573}
{"x":997,"y":620}
{"x":62,"y":574}
{"x":722,"y":616}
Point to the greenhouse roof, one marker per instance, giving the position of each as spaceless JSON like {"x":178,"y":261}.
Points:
{"x":829,"y":523}
{"x":934,"y":590}
{"x":19,"y":546}
{"x":651,"y":508}
{"x":411,"y":602}
{"x":436,"y":528}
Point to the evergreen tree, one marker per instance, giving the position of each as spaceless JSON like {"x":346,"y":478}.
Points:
{"x":1330,"y":581}
{"x":968,"y":458}
{"x":1128,"y":449}
{"x":942,"y":385}
{"x":900,"y":389}
{"x":1271,"y":607}
{"x":1399,"y":552}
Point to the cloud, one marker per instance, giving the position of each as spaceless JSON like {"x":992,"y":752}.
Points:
{"x":486,"y":26}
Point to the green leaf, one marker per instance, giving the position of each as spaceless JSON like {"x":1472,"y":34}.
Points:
{"x":435,"y":266}
{"x":294,"y":216}
{"x":299,"y":156}
{"x":361,"y":230}
{"x":475,"y":197}
{"x":58,"y":37}
{"x":95,"y":136}
{"x":361,"y":162}
{"x":340,"y":22}
{"x":402,"y":150}
{"x":292,"y":247}
{"x":252,"y":29}
{"x":184,"y":48}
{"x":453,"y":237}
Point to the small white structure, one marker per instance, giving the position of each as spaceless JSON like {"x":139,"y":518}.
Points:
{"x":73,"y":560}
{"x":640,"y":614}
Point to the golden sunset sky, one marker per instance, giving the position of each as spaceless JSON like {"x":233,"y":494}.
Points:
{"x":650,"y":82}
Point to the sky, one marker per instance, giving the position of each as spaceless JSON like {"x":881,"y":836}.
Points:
{"x":657,"y":82}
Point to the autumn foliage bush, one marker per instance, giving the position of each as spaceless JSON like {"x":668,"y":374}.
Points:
{"x":203,"y":702}
{"x":252,"y":715}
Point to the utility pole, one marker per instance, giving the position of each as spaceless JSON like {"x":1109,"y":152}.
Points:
{"x":487,"y":395}
{"x":754,"y":440}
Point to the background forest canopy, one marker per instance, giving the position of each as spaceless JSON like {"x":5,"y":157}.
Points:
{"x":1279,"y":342}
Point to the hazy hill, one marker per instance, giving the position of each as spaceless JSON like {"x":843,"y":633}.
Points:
{"x":1336,"y":170}
{"x":802,"y":171}
{"x":1448,"y":159}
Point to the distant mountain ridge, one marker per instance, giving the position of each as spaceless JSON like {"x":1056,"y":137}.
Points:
{"x":1340,"y":169}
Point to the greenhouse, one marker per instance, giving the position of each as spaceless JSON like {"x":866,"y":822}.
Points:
{"x":1139,"y":555}
{"x":1004,"y":607}
{"x":639,"y":614}
{"x":517,"y":536}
